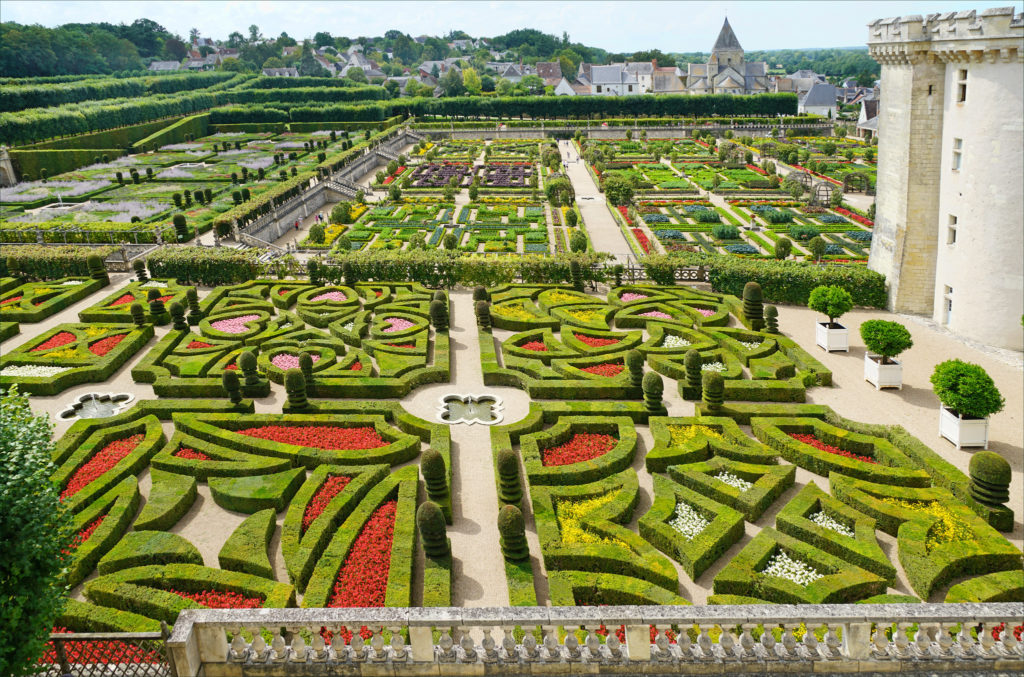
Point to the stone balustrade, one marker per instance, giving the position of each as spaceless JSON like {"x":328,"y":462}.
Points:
{"x":528,"y":640}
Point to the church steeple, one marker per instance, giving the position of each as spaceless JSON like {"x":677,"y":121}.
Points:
{"x":726,"y":41}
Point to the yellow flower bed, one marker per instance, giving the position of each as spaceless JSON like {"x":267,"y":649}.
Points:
{"x":93,"y":332}
{"x":585,"y":315}
{"x":682,"y":434}
{"x":950,"y":528}
{"x":515,"y":311}
{"x":65,"y":354}
{"x":570,"y":515}
{"x":565,"y":297}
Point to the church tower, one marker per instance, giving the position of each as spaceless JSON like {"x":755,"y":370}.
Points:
{"x":727,"y":50}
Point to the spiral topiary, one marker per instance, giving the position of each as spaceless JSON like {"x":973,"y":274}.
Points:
{"x":430,"y":522}
{"x":439,"y":315}
{"x":510,"y":489}
{"x":753,"y":305}
{"x":990,"y":478}
{"x":512,"y":530}
{"x":714,"y":390}
{"x":654,"y":388}
{"x":435,"y":474}
{"x":194,"y":312}
{"x":246,"y":362}
{"x":483,"y":314}
{"x":306,"y":367}
{"x":177,"y":312}
{"x":576,"y":275}
{"x":480,"y":293}
{"x":138,"y":314}
{"x":229,"y":379}
{"x":97,"y":270}
{"x":140,"y":270}
{"x":157,"y":310}
{"x":692,"y":364}
{"x":771,"y":319}
{"x":635,"y":364}
{"x":295,"y":387}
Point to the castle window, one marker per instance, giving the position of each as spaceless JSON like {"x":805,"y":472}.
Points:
{"x":951,"y":230}
{"x":599,"y":89}
{"x":947,"y":303}
{"x":930,"y":88}
{"x":958,"y":154}
{"x":961,"y":90}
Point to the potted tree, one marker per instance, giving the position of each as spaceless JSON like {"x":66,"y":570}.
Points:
{"x":833,"y":302}
{"x":968,"y":398}
{"x":885,"y":340}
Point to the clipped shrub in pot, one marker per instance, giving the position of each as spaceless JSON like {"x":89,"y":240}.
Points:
{"x":885,"y":340}
{"x":969,"y":397}
{"x":833,"y":302}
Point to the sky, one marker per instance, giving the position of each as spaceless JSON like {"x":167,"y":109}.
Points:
{"x":622,"y":26}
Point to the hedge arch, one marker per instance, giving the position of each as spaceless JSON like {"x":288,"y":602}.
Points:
{"x":822,"y":193}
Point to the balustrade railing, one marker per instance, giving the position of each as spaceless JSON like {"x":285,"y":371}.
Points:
{"x":561,"y":640}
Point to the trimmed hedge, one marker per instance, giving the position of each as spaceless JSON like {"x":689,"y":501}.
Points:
{"x":842,"y":582}
{"x":145,"y":590}
{"x":573,"y":588}
{"x":209,"y":266}
{"x":615,"y":460}
{"x":138,"y":548}
{"x":1002,"y":586}
{"x":30,"y":161}
{"x":8,"y":329}
{"x":246,"y":548}
{"x":177,"y":132}
{"x":223,"y":462}
{"x":41,"y":300}
{"x":84,"y":617}
{"x":38,"y":262}
{"x":438,"y":576}
{"x":695,"y":555}
{"x":252,"y":494}
{"x":769,"y":482}
{"x":170,"y":497}
{"x":117,"y":508}
{"x":732,"y":443}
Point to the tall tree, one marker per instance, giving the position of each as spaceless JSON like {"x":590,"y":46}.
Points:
{"x":471,"y":81}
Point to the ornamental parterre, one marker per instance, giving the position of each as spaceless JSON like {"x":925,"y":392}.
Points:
{"x":363,"y":577}
{"x":319,"y":436}
{"x":101,"y":462}
{"x":582,"y":447}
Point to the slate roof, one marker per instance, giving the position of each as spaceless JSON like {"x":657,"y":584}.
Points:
{"x":281,"y":72}
{"x":165,"y":66}
{"x":611,"y":75}
{"x":726,"y":39}
{"x":640,"y":67}
{"x":820,"y":94}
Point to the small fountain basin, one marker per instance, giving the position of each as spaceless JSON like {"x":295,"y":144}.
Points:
{"x":96,"y":405}
{"x":469,"y":409}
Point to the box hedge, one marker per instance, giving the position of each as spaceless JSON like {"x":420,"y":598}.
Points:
{"x":116,"y":508}
{"x":138,"y":548}
{"x":769,"y":482}
{"x":247,"y":546}
{"x":254,"y":493}
{"x":170,"y":497}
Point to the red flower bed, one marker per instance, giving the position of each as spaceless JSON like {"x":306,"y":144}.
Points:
{"x":582,"y":447}
{"x":56,"y":341}
{"x":100,"y":463}
{"x":610,"y":369}
{"x":104,"y":346}
{"x":191,"y":454}
{"x":755,"y":168}
{"x":624,"y":210}
{"x":216,"y":599}
{"x":535,"y":346}
{"x":334,"y":485}
{"x":127,"y":298}
{"x":198,"y":344}
{"x":319,"y":436}
{"x":231,"y":367}
{"x":595,"y":342}
{"x":83,"y":535}
{"x":99,"y":651}
{"x":818,"y":444}
{"x":362,"y":580}
{"x":13,"y":299}
{"x":408,"y":346}
{"x":282,"y":292}
{"x":356,"y":366}
{"x":645,"y":244}
{"x":167,"y":298}
{"x":856,"y":217}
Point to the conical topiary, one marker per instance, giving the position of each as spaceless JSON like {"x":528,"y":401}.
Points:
{"x":246,"y":362}
{"x":157,"y":311}
{"x":771,"y":319}
{"x":194,"y":312}
{"x":510,"y":489}
{"x":138,"y":314}
{"x":230,"y":382}
{"x":435,"y":474}
{"x":439,"y":296}
{"x":753,"y":305}
{"x":512,"y":530}
{"x":430,"y":522}
{"x":576,"y":275}
{"x":483,"y":315}
{"x":714,"y":390}
{"x":990,"y":478}
{"x":97,"y":270}
{"x":140,"y":270}
{"x":177,"y":312}
{"x":635,"y":364}
{"x":654,"y":388}
{"x":480,"y":293}
{"x":439,"y":315}
{"x":306,"y":367}
{"x":295,"y":388}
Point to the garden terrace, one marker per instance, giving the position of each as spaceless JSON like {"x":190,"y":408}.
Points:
{"x":434,"y":175}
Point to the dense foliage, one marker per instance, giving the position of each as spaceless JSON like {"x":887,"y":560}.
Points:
{"x":966,"y":388}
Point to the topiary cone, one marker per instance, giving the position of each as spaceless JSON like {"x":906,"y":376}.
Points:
{"x":714,"y":390}
{"x":510,"y":489}
{"x":576,"y":275}
{"x":138,"y":314}
{"x":990,"y":478}
{"x":295,"y":388}
{"x":512,"y":530}
{"x":306,"y":367}
{"x":140,"y":270}
{"x":229,"y":379}
{"x":194,"y":312}
{"x":97,"y":270}
{"x":483,"y":314}
{"x":480,"y":293}
{"x":430,"y":522}
{"x":635,"y":364}
{"x":177,"y":312}
{"x":753,"y":306}
{"x":246,"y":362}
{"x":439,"y":315}
{"x":654,"y":388}
{"x":771,"y":319}
{"x":435,"y":474}
{"x":692,"y":363}
{"x":157,"y":310}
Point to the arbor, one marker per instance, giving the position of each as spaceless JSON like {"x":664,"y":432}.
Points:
{"x":35,"y":531}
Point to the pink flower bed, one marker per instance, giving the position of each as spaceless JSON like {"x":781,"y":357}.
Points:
{"x":234,"y":325}
{"x":330,"y":296}
{"x":285,"y":361}
{"x":397,"y":324}
{"x":705,"y":312}
{"x":656,"y":314}
{"x":630,"y":296}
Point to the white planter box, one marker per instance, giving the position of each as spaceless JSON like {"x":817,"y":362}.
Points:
{"x":882,"y":375}
{"x":963,"y":432}
{"x":832,"y":338}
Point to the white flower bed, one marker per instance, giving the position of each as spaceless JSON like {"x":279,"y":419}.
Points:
{"x":71,"y":283}
{"x":750,"y":345}
{"x":823,"y":520}
{"x":782,"y":566}
{"x":32,"y":370}
{"x":349,"y":326}
{"x":674,"y":342}
{"x":688,"y":522}
{"x":733,"y":481}
{"x":155,"y":283}
{"x":712,"y":366}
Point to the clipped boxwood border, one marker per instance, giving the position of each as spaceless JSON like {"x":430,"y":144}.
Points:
{"x":769,"y":482}
{"x":117,"y":507}
{"x":615,"y":460}
{"x":139,"y":548}
{"x":246,"y":547}
{"x":733,"y":444}
{"x":170,"y":497}
{"x":28,"y":310}
{"x":254,"y":493}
